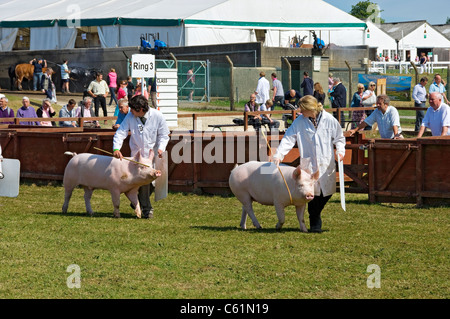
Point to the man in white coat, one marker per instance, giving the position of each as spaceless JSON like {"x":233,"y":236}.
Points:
{"x":316,"y":133}
{"x":262,"y":89}
{"x":149,"y":131}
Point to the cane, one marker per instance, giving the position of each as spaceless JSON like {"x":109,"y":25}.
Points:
{"x":99,"y":149}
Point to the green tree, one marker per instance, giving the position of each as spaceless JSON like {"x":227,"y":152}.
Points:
{"x":366,"y":9}
{"x":448,"y":20}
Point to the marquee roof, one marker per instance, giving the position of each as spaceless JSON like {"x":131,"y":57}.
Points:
{"x":226,"y":13}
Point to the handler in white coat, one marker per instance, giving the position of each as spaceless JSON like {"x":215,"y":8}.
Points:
{"x":262,"y":89}
{"x":149,"y":131}
{"x":316,"y":132}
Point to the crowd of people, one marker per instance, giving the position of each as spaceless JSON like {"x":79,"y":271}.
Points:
{"x":95,"y":97}
{"x":386,"y":116}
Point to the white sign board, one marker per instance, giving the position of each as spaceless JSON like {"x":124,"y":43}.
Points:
{"x":9,"y":177}
{"x":162,"y":182}
{"x":317,"y":63}
{"x":143,"y":66}
{"x":167,"y":95}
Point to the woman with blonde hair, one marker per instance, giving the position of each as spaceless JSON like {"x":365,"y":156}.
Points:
{"x":316,"y":133}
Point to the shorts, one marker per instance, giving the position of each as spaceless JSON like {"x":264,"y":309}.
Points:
{"x":64,"y":80}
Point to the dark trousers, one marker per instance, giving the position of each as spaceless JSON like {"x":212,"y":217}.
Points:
{"x":315,"y":208}
{"x":335,"y":114}
{"x":100,"y":100}
{"x":419,"y":116}
{"x":49,"y":93}
{"x":144,"y":197}
{"x":278,"y":101}
{"x":368,"y":127}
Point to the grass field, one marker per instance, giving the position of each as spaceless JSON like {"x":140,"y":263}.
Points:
{"x":193,"y":248}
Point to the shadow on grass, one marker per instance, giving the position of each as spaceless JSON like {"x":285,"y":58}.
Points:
{"x":86,"y":215}
{"x":251,"y":230}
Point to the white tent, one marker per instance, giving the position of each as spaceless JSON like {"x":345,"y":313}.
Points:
{"x":53,"y":25}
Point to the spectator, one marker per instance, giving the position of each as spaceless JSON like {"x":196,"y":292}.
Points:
{"x":5,"y":111}
{"x":85,"y":110}
{"x":149,"y":131}
{"x":437,"y":118}
{"x":139,"y":92}
{"x":420,"y":96}
{"x":339,"y":95}
{"x":190,"y":83}
{"x":316,"y":133}
{"x":121,"y":94}
{"x":65,"y":75}
{"x":68,"y":110}
{"x":112,"y":84}
{"x":358,"y":116}
{"x":291,"y":97}
{"x":99,"y":90}
{"x":252,"y":106}
{"x":278,"y":92}
{"x":46,"y":111}
{"x":387,"y":118}
{"x":307,"y":84}
{"x":130,"y":88}
{"x":27,"y":111}
{"x":369,"y":99}
{"x":47,"y":84}
{"x":37,"y":73}
{"x":123,"y":111}
{"x":152,"y":91}
{"x":438,"y":86}
{"x":262,"y":89}
{"x":423,"y":62}
{"x":330,"y":82}
{"x":319,"y":94}
{"x":265,"y":118}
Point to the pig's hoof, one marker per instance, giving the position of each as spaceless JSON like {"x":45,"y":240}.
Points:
{"x":303,"y":230}
{"x":116,"y":215}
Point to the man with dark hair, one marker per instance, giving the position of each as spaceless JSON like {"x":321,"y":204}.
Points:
{"x":149,"y":131}
{"x":420,"y":96}
{"x":68,"y":110}
{"x":37,"y":73}
{"x":307,"y":84}
{"x":99,"y":90}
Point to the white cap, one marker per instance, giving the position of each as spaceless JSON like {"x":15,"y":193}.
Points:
{"x":2,"y":95}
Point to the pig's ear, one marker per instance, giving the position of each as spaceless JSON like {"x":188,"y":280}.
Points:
{"x":137,"y":156}
{"x":315,"y":176}
{"x":297,"y":172}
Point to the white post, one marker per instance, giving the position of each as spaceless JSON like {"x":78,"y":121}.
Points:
{"x":142,"y":86}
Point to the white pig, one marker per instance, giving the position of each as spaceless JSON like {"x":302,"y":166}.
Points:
{"x":104,"y":172}
{"x":262,"y":182}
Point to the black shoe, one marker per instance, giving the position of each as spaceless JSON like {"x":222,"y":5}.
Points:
{"x":315,"y":230}
{"x":148,"y":215}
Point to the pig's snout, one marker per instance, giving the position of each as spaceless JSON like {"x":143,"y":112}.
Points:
{"x":157,"y":173}
{"x":309,"y":196}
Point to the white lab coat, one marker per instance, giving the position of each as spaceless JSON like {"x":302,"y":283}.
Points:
{"x":317,"y":145}
{"x":262,"y":90}
{"x":153,"y":135}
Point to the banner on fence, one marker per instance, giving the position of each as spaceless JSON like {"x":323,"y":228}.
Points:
{"x":398,"y":88}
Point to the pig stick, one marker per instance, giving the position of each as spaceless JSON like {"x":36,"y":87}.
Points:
{"x":99,"y":149}
{"x":279,"y":169}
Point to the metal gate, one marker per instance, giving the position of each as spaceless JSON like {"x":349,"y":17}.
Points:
{"x":193,"y":80}
{"x":197,"y":82}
